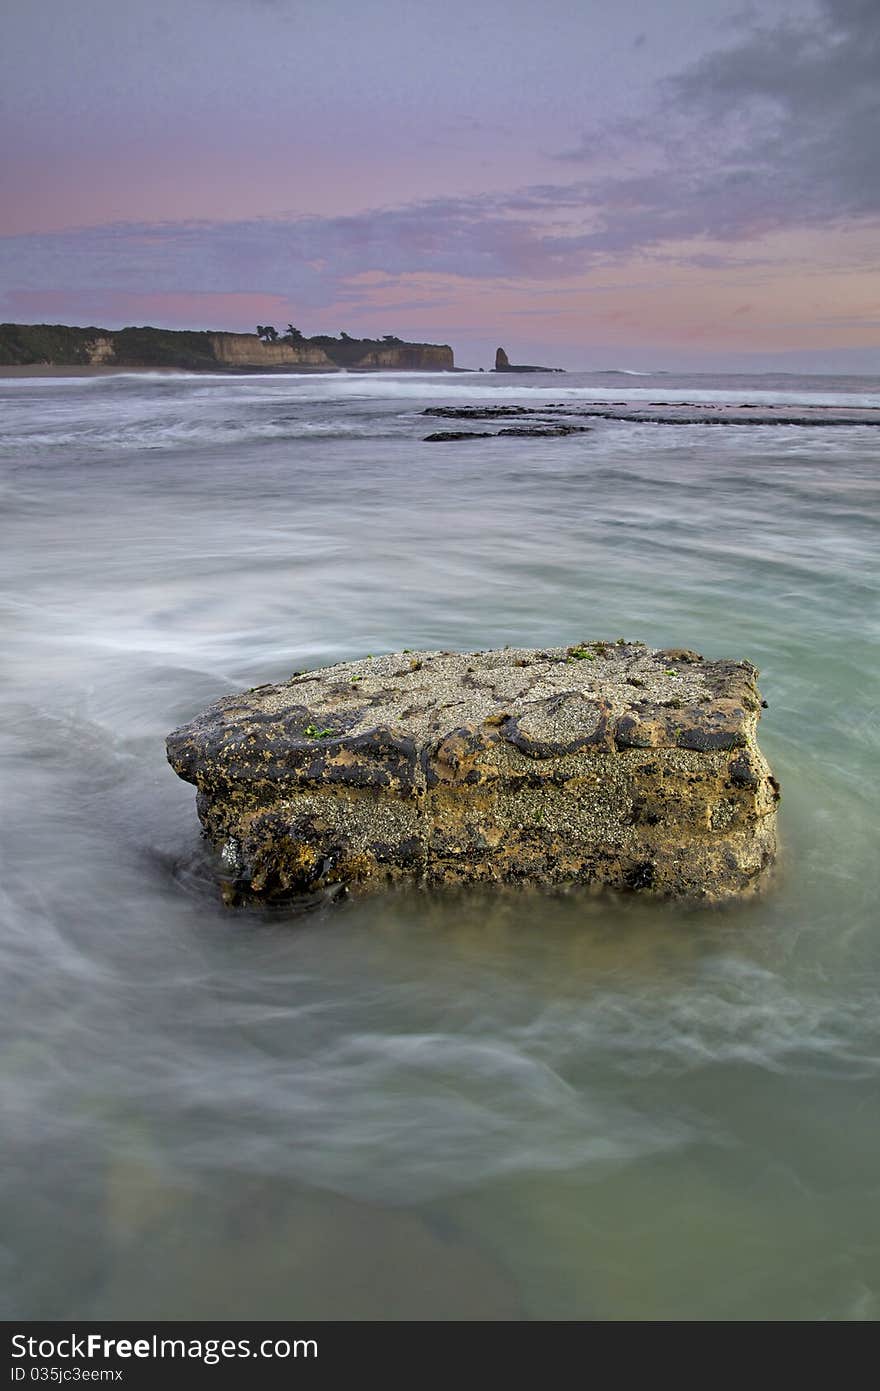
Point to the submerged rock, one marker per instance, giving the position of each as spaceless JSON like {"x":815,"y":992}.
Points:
{"x":445,"y":436}
{"x":668,"y":412}
{"x":544,"y":431}
{"x":532,"y":430}
{"x":609,"y":764}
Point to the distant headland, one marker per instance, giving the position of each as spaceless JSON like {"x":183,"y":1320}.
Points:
{"x":58,"y":345}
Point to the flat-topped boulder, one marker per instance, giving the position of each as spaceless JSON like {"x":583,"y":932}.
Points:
{"x":604,"y":763}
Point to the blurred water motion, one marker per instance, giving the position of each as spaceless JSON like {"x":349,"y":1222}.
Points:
{"x":490,"y":1106}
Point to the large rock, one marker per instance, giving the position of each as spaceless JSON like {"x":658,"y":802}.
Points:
{"x":603,"y":763}
{"x":503,"y":364}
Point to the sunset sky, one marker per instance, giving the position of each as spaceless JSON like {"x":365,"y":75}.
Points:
{"x":644,"y":183}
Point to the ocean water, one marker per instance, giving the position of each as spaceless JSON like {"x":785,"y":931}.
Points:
{"x":438,"y":1107}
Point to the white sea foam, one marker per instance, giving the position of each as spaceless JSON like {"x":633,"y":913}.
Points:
{"x":466,"y":388}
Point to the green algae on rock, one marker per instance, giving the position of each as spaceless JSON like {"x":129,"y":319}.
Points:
{"x":603,"y":763}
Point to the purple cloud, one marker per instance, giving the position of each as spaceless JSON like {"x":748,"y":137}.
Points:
{"x":779,"y":130}
{"x":776,"y":131}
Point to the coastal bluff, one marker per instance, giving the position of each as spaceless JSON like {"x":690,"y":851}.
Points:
{"x":60,"y":345}
{"x":247,"y":350}
{"x":608,"y":764}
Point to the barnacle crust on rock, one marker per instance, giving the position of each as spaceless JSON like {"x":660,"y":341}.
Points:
{"x":603,"y":763}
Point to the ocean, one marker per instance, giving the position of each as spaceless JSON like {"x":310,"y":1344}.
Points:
{"x":450,"y":1106}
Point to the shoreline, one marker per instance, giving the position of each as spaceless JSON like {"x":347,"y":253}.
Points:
{"x":43,"y":369}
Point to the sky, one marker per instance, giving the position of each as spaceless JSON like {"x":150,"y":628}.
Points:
{"x":591,"y":183}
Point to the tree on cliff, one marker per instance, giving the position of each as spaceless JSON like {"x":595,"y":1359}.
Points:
{"x":293,"y":335}
{"x":267,"y":332}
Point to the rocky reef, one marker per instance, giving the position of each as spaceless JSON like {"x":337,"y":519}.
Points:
{"x":546,"y":429}
{"x":539,"y":419}
{"x":603,"y":763}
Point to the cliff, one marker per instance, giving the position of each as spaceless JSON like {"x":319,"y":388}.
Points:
{"x":410,"y":357}
{"x":60,"y":345}
{"x":247,"y":350}
{"x":358,"y":354}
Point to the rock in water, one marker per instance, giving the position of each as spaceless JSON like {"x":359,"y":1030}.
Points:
{"x":503,"y":364}
{"x":609,"y":764}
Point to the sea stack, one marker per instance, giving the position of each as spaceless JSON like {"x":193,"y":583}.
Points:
{"x":503,"y":364}
{"x":603,"y":763}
